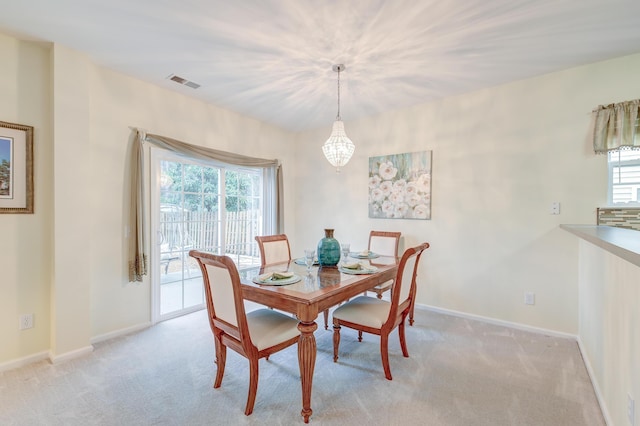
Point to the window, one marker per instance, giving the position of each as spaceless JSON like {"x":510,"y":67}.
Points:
{"x":616,"y":132}
{"x":624,"y":178}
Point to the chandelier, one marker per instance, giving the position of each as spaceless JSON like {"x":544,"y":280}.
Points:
{"x":338,"y":148}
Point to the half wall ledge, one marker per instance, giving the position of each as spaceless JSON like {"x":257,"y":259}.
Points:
{"x":624,"y":243}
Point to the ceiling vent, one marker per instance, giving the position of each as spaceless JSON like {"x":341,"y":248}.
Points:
{"x":183,"y":81}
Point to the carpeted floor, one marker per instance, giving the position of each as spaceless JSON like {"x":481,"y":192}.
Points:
{"x":460,"y":372}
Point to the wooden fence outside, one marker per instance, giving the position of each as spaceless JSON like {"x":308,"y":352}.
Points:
{"x":201,"y":230}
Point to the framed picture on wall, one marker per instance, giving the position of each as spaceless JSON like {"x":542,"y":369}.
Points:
{"x":16,"y":168}
{"x":400,"y":186}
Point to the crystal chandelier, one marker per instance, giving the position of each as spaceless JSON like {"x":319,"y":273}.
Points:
{"x":338,"y":148}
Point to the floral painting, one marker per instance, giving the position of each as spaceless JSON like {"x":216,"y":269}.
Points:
{"x":400,"y":186}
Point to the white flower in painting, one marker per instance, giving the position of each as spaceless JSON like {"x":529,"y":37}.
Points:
{"x":386,"y":187}
{"x":377,"y":195}
{"x":411,"y":189}
{"x":413,"y":199}
{"x":423,"y":183}
{"x":396,"y":197}
{"x":387,"y":208}
{"x":374,"y":181}
{"x":421,"y":211}
{"x":401,"y":210}
{"x":387,"y":171}
{"x":375,"y":209}
{"x":424,"y":178}
{"x":397,"y":191}
{"x":399,"y":185}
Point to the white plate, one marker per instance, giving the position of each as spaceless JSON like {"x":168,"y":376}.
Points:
{"x":360,"y":256}
{"x":371,"y":270}
{"x":293,"y":279}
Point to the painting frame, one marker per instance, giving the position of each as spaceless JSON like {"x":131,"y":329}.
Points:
{"x":16,"y":168}
{"x":400,"y":186}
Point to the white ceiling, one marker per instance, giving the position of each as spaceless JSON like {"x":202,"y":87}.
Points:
{"x":271,"y":59}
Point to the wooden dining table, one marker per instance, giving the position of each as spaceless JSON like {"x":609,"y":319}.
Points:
{"x":318,"y":290}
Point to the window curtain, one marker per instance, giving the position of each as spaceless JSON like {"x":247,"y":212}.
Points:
{"x":615,"y":127}
{"x":138,"y":252}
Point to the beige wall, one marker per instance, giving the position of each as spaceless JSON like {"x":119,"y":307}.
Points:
{"x":501,"y":156}
{"x":26,"y":240}
{"x":70,"y":319}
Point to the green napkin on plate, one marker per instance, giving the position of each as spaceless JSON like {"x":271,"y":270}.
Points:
{"x":356,"y":266}
{"x":274,"y":276}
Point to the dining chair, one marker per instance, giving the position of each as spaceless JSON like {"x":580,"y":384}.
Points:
{"x":381,"y":317}
{"x":273,"y":248}
{"x":254,"y":335}
{"x":385,"y":244}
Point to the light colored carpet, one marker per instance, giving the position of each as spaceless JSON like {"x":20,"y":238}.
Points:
{"x":460,"y":372}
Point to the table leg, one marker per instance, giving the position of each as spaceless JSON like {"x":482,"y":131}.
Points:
{"x":307,"y":361}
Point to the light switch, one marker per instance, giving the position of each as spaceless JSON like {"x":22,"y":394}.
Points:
{"x":555,"y":208}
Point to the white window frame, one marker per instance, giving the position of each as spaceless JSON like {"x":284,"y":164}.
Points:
{"x":620,"y":159}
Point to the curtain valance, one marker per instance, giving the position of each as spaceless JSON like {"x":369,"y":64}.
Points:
{"x":138,"y":252}
{"x":204,"y":153}
{"x":615,"y":127}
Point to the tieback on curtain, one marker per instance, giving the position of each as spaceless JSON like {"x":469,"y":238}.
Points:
{"x":615,"y":127}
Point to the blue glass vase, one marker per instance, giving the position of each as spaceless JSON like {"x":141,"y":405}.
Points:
{"x":328,"y":249}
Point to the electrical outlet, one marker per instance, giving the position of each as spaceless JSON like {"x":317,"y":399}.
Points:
{"x":631,"y":411}
{"x":529,"y":298}
{"x":26,"y":321}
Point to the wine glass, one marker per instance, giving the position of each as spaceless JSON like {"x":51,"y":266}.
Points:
{"x":309,"y":256}
{"x":345,"y":251}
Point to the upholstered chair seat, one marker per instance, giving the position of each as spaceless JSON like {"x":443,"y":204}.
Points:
{"x":364,"y":310}
{"x":269,"y":328}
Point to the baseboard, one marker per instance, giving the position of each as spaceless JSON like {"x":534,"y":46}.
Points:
{"x":594,"y":383}
{"x":21,"y":362}
{"x":495,"y":321}
{"x":57,"y":359}
{"x":118,"y":333}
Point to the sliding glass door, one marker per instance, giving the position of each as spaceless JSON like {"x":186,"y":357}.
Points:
{"x":205,"y":206}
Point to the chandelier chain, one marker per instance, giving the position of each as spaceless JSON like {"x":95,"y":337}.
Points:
{"x":338,"y":116}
